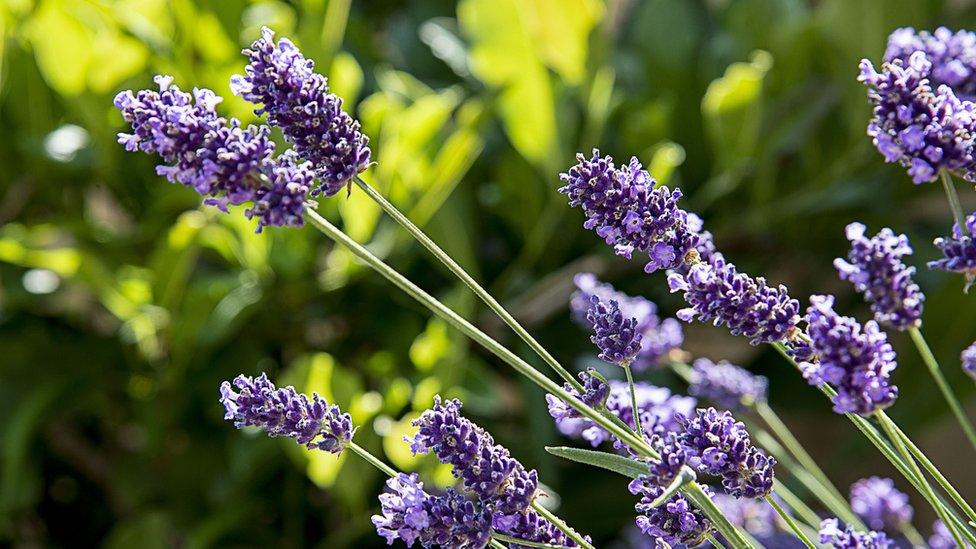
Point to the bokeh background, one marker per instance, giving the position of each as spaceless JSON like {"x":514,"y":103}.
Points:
{"x":124,"y":303}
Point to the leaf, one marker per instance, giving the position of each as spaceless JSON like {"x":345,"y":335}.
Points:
{"x":500,"y":46}
{"x":63,"y":47}
{"x":396,"y":449}
{"x":732,"y":108}
{"x":561,"y":29}
{"x":612,"y":462}
{"x":116,"y":57}
{"x":346,"y":79}
{"x":528,"y":112}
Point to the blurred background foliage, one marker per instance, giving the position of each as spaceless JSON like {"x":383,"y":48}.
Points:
{"x":123,"y":303}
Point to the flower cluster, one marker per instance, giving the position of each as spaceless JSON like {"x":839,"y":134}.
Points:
{"x":614,"y":334}
{"x":856,"y":361}
{"x":968,"y":358}
{"x":486,"y":469}
{"x":922,"y":129}
{"x":747,"y":306}
{"x":676,"y":522}
{"x":286,"y":413}
{"x":726,"y":384}
{"x":719,"y":445}
{"x":218,"y":158}
{"x":623,"y":206}
{"x":848,"y":538}
{"x":296,"y":99}
{"x":875,"y":268}
{"x":596,"y":391}
{"x":952,"y":55}
{"x":880,"y":504}
{"x":531,"y":526}
{"x":941,"y":537}
{"x":412,"y":515}
{"x":658,"y":410}
{"x":657,"y":336}
{"x":958,"y":251}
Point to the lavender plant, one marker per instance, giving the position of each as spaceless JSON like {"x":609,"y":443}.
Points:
{"x":498,"y":498}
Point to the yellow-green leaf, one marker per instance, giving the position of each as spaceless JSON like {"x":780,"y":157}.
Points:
{"x":62,"y":46}
{"x":561,"y":29}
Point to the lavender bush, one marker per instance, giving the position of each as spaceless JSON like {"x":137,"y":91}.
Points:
{"x":698,"y":471}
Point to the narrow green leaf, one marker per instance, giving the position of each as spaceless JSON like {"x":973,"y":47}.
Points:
{"x":612,"y":462}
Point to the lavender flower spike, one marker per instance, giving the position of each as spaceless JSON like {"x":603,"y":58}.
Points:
{"x":486,"y":469}
{"x":675,"y":522}
{"x":958,"y":251}
{"x":857,"y":361}
{"x":726,"y":384}
{"x":941,"y":537}
{"x":296,"y":99}
{"x":411,"y":514}
{"x":623,"y":206}
{"x":286,"y":413}
{"x":880,"y":504}
{"x":876,"y":269}
{"x":717,"y":292}
{"x":953,"y":56}
{"x":923,"y":130}
{"x":848,"y":538}
{"x":531,"y":526}
{"x":218,"y":158}
{"x":969,"y":360}
{"x":616,"y":336}
{"x":658,"y":336}
{"x":719,"y":445}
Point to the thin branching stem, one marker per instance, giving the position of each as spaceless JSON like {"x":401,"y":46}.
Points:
{"x":633,"y":399}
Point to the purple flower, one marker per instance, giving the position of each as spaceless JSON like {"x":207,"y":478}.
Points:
{"x":530,"y":526}
{"x":216,"y":157}
{"x":658,"y":337}
{"x":848,"y":538}
{"x":657,"y":406}
{"x":746,"y":306}
{"x":719,"y":445}
{"x":486,"y":469}
{"x":922,"y":129}
{"x":675,"y":522}
{"x":958,"y":251}
{"x":726,"y":384}
{"x":595,"y":394}
{"x":296,"y":99}
{"x":969,"y":360}
{"x":623,"y":206}
{"x":856,"y":361}
{"x":286,"y":413}
{"x":410,"y":514}
{"x":880,"y":504}
{"x":953,"y":56}
{"x":615,"y":335}
{"x":876,"y":269}
{"x":941,"y":538}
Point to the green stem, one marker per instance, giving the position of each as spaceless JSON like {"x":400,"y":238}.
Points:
{"x":468,"y":280}
{"x":794,"y":502}
{"x":896,"y":439}
{"x":700,"y":499}
{"x":526,"y":543}
{"x":886,"y":449}
{"x":796,"y":449}
{"x":929,"y":359}
{"x":497,"y":544}
{"x":633,"y":399}
{"x":626,"y":436}
{"x":936,"y":474}
{"x":912,"y":535}
{"x":561,"y":524}
{"x":791,"y":523}
{"x":373,"y":460}
{"x":950,"y":190}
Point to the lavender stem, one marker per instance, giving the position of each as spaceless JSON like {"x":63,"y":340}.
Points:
{"x":932,"y":364}
{"x":790,"y":522}
{"x":633,"y":399}
{"x":950,"y":190}
{"x":468,"y":280}
{"x":561,"y":524}
{"x":896,"y":439}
